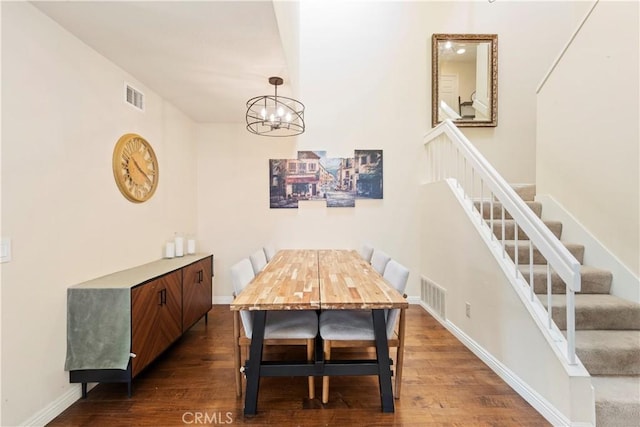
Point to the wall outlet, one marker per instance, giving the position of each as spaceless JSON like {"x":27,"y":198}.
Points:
{"x":467,"y":309}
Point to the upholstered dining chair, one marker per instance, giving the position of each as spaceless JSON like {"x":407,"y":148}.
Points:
{"x":379,"y":260}
{"x":365,"y":252}
{"x":354,"y":328}
{"x":258,"y":261}
{"x":269,"y":252}
{"x":282,"y":327}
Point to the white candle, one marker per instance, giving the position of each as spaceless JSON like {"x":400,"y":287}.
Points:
{"x":179,"y":240}
{"x":191,"y":246}
{"x":170,"y":250}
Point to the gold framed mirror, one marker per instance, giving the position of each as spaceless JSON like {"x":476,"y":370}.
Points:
{"x":464,"y":79}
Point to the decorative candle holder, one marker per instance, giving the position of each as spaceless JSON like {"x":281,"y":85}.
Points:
{"x":179,"y":241}
{"x":191,"y":246}
{"x":170,"y":250}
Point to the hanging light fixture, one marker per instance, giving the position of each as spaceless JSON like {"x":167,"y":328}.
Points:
{"x":273,"y":115}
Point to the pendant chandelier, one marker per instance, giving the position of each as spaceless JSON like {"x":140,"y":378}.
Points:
{"x":273,"y":115}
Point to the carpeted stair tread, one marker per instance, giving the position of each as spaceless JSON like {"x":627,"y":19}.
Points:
{"x":609,"y":352}
{"x":509,"y":229}
{"x":607,"y":327}
{"x":596,"y":311}
{"x":527,"y":192}
{"x":593,"y":280}
{"x":575,"y":249}
{"x":536,"y":207}
{"x":617,"y":400}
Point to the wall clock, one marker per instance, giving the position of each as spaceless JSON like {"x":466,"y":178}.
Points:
{"x":135,"y":168}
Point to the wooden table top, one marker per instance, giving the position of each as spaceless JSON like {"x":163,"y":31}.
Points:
{"x":288,"y":282}
{"x":318,"y":279}
{"x":349,"y":282}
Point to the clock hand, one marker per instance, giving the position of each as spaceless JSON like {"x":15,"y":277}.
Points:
{"x":141,"y":171}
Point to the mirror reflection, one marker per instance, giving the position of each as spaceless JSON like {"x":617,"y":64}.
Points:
{"x":464,"y":79}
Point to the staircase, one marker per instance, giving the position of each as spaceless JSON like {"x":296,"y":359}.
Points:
{"x":607,"y":327}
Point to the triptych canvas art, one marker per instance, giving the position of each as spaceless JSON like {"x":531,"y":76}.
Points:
{"x":336,"y":181}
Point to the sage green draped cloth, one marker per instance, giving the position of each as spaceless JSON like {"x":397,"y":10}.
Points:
{"x":98,"y":328}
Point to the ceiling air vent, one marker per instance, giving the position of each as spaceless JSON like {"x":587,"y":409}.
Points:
{"x":134,"y":97}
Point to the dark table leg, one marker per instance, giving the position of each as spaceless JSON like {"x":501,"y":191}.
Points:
{"x":255,"y":359}
{"x":382,"y":352}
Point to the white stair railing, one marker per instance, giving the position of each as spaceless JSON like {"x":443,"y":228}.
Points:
{"x":451,"y":155}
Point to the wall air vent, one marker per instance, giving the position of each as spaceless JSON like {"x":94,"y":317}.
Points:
{"x":433,"y":296}
{"x":134,"y":97}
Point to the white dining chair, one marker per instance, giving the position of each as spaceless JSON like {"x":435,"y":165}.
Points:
{"x":258,"y":261}
{"x":365,"y":252}
{"x":282,"y":327}
{"x":379,"y":260}
{"x":269,"y":252}
{"x":354,"y":328}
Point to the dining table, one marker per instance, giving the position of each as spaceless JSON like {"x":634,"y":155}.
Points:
{"x":318,"y":279}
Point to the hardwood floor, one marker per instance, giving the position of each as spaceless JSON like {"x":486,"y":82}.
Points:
{"x":444,"y":384}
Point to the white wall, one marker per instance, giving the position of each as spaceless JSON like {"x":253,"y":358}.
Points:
{"x":588,"y":151}
{"x":62,"y":113}
{"x":288,"y":17}
{"x":365,"y":70}
{"x":365,"y":78}
{"x":499,"y":326}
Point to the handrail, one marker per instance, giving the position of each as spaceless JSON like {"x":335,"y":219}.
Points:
{"x":556,"y":254}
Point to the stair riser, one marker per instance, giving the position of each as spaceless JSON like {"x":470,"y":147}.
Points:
{"x":617,"y":415}
{"x":603,"y":362}
{"x":497,"y":209}
{"x":593,"y":281}
{"x":526,"y":192}
{"x":523,"y":253}
{"x":540,"y":281}
{"x":599,"y":318}
{"x":509,"y":230}
{"x":602,"y":351}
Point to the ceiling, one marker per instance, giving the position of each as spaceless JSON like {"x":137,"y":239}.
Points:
{"x":205,"y":57}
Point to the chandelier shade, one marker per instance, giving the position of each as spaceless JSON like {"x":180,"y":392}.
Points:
{"x":273,"y":115}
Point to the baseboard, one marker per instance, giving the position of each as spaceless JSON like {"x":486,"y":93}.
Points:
{"x":539,"y":403}
{"x":58,"y":406}
{"x":625,"y":284}
{"x":414,"y":300}
{"x":222,"y":299}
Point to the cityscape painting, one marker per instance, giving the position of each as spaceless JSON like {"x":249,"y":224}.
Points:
{"x":336,"y":181}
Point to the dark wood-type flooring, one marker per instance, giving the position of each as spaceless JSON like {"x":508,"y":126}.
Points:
{"x":192,"y":383}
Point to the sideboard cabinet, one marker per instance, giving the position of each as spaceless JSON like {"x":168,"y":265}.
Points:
{"x":118,"y":324}
{"x":196,"y":291}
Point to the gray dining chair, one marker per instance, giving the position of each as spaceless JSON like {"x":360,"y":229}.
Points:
{"x":269,"y":252}
{"x":365,"y":252}
{"x":258,"y":261}
{"x":354,"y":328}
{"x":282,"y":327}
{"x":379,"y":260}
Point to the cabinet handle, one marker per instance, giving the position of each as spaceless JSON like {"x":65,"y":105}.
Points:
{"x":163,"y":297}
{"x":200,"y":276}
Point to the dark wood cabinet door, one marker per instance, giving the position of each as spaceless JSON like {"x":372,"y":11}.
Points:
{"x":145,"y":302}
{"x":156,"y":318}
{"x":170,"y":325}
{"x":196,"y":291}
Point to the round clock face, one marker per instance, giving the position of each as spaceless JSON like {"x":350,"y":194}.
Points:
{"x":135,"y":168}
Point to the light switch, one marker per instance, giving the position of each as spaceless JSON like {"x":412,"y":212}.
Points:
{"x":5,"y":250}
